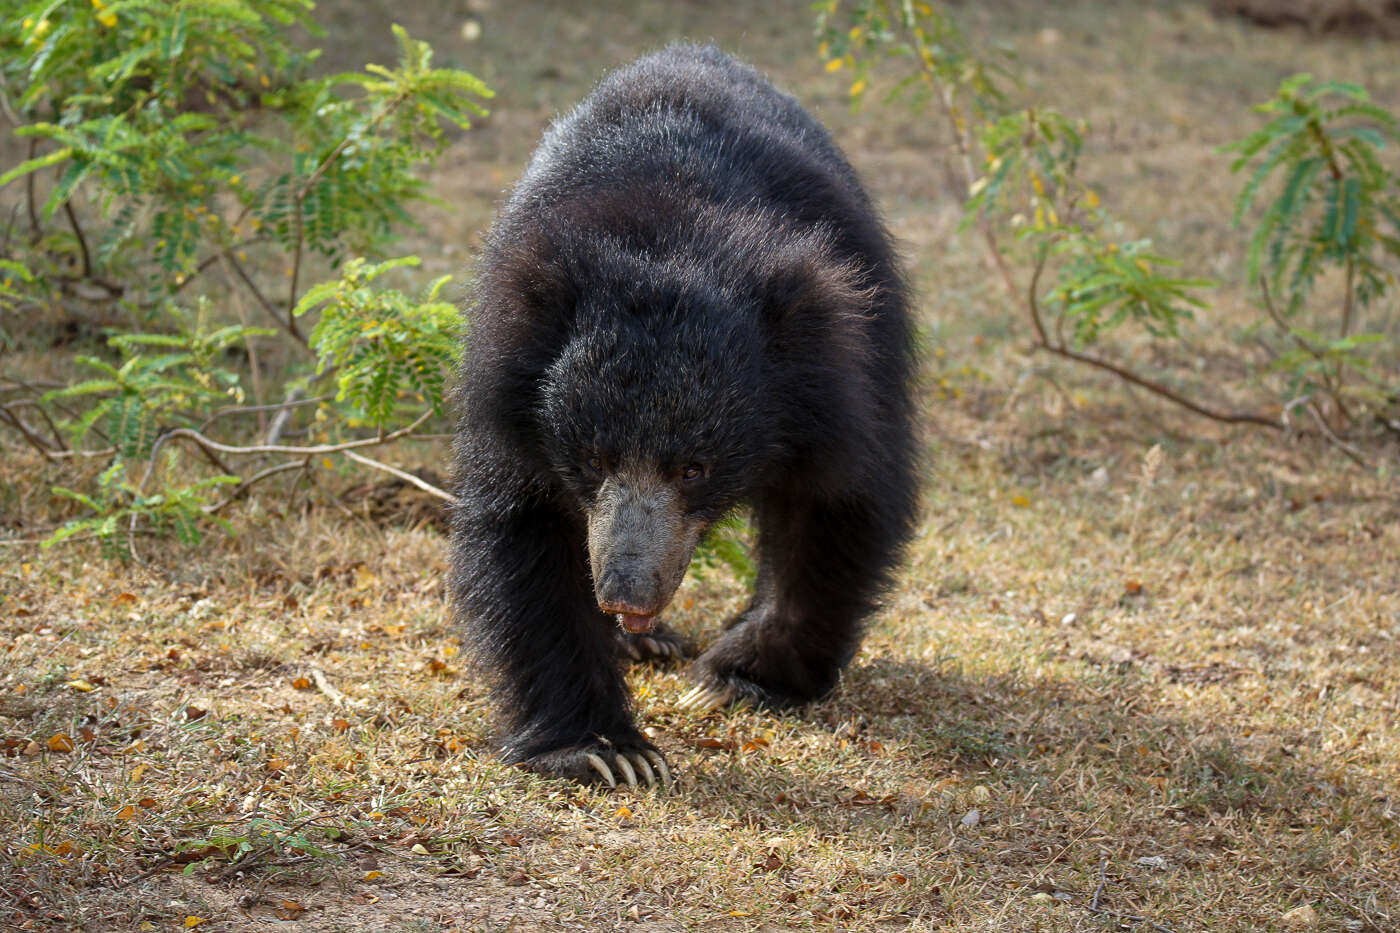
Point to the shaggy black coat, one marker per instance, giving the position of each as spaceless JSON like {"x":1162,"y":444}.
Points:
{"x":688,"y":272}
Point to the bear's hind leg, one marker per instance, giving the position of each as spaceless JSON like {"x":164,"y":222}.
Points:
{"x":822,"y":565}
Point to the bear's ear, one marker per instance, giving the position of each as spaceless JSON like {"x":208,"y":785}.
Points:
{"x":810,"y":297}
{"x":527,"y":275}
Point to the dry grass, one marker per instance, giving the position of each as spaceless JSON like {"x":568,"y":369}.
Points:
{"x":1159,"y":684}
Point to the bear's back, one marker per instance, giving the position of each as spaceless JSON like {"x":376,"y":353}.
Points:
{"x":705,"y":126}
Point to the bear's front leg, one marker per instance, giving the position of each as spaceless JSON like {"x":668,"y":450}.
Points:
{"x":521,"y":583}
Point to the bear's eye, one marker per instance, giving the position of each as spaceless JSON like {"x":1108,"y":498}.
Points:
{"x":692,"y":471}
{"x":595,"y":464}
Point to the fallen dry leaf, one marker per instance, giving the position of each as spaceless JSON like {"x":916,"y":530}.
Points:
{"x":1301,"y":918}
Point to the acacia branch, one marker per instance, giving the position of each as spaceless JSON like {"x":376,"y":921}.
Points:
{"x":945,"y":100}
{"x":1043,"y":341}
{"x":1060,"y":349}
{"x":326,"y":163}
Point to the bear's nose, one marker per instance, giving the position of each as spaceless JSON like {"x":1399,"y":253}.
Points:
{"x":622,"y":592}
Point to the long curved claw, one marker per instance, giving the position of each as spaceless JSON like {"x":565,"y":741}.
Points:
{"x":705,"y":697}
{"x":653,"y":646}
{"x":632,"y":651}
{"x":645,"y":769}
{"x":624,"y":766}
{"x":602,"y":768}
{"x":665,"y":772}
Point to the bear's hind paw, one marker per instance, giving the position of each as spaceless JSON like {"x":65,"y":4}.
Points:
{"x":706,"y":696}
{"x":660,"y":645}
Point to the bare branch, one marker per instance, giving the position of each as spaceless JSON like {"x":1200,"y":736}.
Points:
{"x":9,"y":416}
{"x":36,"y":230}
{"x":155,"y":451}
{"x":284,"y":414}
{"x":311,"y":451}
{"x":271,"y":406}
{"x":1351,"y":452}
{"x":1225,"y":417}
{"x":289,"y":323}
{"x":405,"y":476}
{"x":1094,"y":908}
{"x":58,"y":442}
{"x":208,"y":261}
{"x":1307,"y":346}
{"x":242,"y":488}
{"x":1349,"y":299}
{"x":82,"y":240}
{"x":14,"y":382}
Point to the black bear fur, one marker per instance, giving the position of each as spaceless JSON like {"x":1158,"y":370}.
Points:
{"x":689,"y":272}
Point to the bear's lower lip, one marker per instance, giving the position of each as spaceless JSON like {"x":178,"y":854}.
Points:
{"x":636,"y":624}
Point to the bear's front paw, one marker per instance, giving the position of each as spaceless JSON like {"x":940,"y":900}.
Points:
{"x":632,"y":764}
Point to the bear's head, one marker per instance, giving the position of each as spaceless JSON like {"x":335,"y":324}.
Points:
{"x":658,"y":419}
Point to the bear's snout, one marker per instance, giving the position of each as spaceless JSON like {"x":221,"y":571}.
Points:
{"x":639,"y":544}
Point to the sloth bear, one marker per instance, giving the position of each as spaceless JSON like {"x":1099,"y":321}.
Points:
{"x":688,"y":303}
